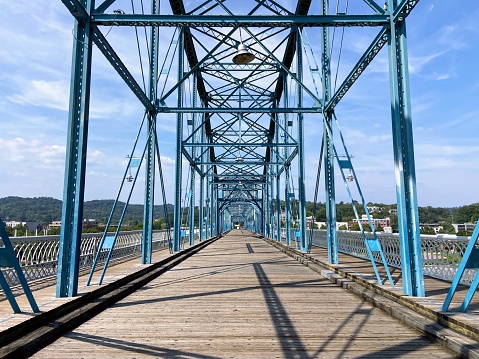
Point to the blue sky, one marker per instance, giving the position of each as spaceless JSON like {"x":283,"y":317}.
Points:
{"x":35,"y":59}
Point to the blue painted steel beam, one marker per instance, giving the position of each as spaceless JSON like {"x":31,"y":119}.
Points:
{"x":301,"y":170}
{"x":250,"y":144}
{"x":403,"y":147}
{"x":192,"y":162}
{"x":178,"y":163}
{"x":403,"y":9}
{"x":77,"y":9}
{"x":374,"y":6}
{"x":212,"y":110}
{"x":376,"y":45}
{"x":103,"y":6}
{"x":329,"y":145}
{"x":191,"y":237}
{"x":75,"y":165}
{"x":119,"y":66}
{"x":278,"y":182}
{"x":245,"y":21}
{"x":149,"y":201}
{"x":287,"y":207}
{"x":234,"y":163}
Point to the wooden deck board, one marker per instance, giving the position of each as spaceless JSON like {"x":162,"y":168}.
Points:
{"x":226,"y":302}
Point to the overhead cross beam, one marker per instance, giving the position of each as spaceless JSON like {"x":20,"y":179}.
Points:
{"x":222,"y":21}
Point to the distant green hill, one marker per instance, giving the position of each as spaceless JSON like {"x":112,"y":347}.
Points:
{"x":47,"y":209}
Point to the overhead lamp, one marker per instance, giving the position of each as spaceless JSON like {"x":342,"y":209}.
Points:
{"x":243,"y":55}
{"x":239,"y":159}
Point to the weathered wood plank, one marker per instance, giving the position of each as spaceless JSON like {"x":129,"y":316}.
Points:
{"x":226,"y":302}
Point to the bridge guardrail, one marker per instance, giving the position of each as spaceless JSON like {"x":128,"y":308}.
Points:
{"x":38,"y":256}
{"x":441,"y":253}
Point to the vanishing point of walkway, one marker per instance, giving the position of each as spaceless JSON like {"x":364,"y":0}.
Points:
{"x":241,"y":298}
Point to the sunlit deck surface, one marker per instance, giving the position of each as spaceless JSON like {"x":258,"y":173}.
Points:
{"x":240,"y":297}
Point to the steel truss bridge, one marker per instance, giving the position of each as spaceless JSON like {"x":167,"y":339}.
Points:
{"x":240,"y":127}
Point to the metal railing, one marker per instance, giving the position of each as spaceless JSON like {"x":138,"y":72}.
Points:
{"x":38,"y":256}
{"x":441,"y":254}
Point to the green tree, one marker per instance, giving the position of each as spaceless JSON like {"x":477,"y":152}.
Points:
{"x":367,"y":227}
{"x":54,"y":231}
{"x":427,"y":230}
{"x":321,"y":215}
{"x":447,"y":228}
{"x":355,"y":227}
{"x":343,"y":227}
{"x":9,"y":231}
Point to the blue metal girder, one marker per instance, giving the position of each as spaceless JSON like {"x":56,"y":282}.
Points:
{"x":374,"y":6}
{"x":192,"y":161}
{"x":103,"y":6}
{"x":179,"y":134}
{"x":75,"y":165}
{"x":378,"y":43}
{"x":329,"y":145}
{"x":403,"y":146}
{"x":403,"y":9}
{"x":122,"y":70}
{"x":245,"y":21}
{"x":191,"y":237}
{"x":77,"y":9}
{"x":211,"y":110}
{"x":250,"y":144}
{"x":149,"y":202}
{"x":9,"y":259}
{"x":301,"y":170}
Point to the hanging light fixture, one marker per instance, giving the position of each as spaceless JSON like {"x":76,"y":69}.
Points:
{"x":243,"y":55}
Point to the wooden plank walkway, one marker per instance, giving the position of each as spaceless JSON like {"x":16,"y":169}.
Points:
{"x":44,"y":290}
{"x":242,"y":298}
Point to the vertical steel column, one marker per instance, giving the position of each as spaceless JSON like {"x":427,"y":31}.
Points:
{"x":201,"y":211}
{"x":408,"y":219}
{"x":278,"y":183}
{"x":328,"y":141}
{"x":301,"y":175}
{"x":207,"y":207}
{"x":268,"y":203}
{"x":191,"y":237}
{"x":75,"y":164}
{"x":263,"y":207}
{"x":212,"y":208}
{"x":179,"y":145}
{"x":287,"y":190}
{"x":287,"y":208}
{"x":147,"y":237}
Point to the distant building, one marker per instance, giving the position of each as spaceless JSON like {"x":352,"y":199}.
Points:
{"x":383,"y":222}
{"x":435,"y":226}
{"x":87,"y":223}
{"x":31,"y":226}
{"x":374,"y":209}
{"x":393,"y":211}
{"x":13,"y":223}
{"x":55,"y":224}
{"x":338,"y":224}
{"x":468,"y":227}
{"x":388,"y":229}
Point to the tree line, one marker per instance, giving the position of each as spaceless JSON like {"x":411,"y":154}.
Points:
{"x":46,"y":210}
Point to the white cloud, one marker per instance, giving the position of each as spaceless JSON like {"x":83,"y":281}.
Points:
{"x":446,"y":150}
{"x":50,"y":94}
{"x":417,"y":63}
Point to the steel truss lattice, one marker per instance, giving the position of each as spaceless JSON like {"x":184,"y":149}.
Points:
{"x":243,"y":129}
